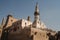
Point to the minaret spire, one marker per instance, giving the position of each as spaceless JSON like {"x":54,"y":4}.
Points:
{"x":36,"y":22}
{"x":36,"y":13}
{"x":36,"y":9}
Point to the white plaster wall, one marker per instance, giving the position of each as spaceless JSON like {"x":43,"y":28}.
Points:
{"x":25,"y":23}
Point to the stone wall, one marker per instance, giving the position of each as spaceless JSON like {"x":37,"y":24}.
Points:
{"x":28,"y":33}
{"x":39,"y":34}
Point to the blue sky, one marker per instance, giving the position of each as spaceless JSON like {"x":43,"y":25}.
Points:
{"x":49,"y":10}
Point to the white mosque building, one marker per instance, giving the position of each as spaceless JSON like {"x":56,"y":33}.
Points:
{"x":25,"y":23}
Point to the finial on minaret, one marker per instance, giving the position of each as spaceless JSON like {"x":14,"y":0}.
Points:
{"x":36,"y":9}
{"x":28,"y":18}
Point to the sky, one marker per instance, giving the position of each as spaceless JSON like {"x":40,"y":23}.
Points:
{"x":49,"y":11}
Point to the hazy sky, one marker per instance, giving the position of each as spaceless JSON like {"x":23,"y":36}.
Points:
{"x":49,"y":10}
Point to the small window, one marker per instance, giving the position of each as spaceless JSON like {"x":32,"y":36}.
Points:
{"x":35,"y":33}
{"x":25,"y":23}
{"x":11,"y":20}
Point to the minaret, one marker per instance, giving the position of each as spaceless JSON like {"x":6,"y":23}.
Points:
{"x":3,"y":22}
{"x":36,"y":22}
{"x":36,"y":13}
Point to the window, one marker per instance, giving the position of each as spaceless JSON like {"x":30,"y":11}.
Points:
{"x":35,"y":33}
{"x":25,"y":24}
{"x":11,"y":20}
